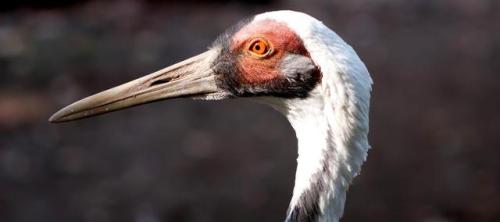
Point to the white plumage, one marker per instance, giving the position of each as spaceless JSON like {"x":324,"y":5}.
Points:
{"x":333,"y":119}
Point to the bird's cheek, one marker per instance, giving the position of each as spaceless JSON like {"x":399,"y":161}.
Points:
{"x":299,"y":68}
{"x":258,"y":71}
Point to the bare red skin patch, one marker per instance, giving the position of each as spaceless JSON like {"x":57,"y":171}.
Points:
{"x":282,"y":40}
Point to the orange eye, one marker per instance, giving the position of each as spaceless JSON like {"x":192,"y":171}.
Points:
{"x":259,"y":47}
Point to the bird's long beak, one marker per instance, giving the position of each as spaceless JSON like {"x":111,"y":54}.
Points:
{"x":190,"y":78}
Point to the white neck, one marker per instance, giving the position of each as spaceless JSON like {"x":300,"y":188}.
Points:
{"x":326,"y":162}
{"x":331,"y":124}
{"x":322,"y":176}
{"x":332,"y":146}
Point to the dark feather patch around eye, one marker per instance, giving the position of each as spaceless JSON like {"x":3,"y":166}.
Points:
{"x":294,"y":83}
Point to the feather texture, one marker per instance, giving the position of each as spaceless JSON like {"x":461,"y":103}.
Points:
{"x":331,"y":124}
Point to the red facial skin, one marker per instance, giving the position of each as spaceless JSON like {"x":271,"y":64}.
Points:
{"x":257,"y":69}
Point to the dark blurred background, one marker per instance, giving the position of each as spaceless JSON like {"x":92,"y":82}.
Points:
{"x":434,"y":119}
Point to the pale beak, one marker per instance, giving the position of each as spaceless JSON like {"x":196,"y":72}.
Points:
{"x":190,"y":78}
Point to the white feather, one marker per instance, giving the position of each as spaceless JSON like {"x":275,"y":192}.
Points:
{"x":334,"y":118}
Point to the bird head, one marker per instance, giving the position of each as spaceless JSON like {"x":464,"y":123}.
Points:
{"x":270,"y":55}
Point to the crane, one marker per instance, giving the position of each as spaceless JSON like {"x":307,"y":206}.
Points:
{"x":292,"y":62}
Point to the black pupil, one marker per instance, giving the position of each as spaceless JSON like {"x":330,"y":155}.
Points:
{"x":257,"y":47}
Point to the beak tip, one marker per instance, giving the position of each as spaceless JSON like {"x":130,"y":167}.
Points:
{"x":55,"y":118}
{"x":59,"y":116}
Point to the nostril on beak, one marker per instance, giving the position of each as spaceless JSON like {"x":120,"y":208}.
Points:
{"x":161,"y":81}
